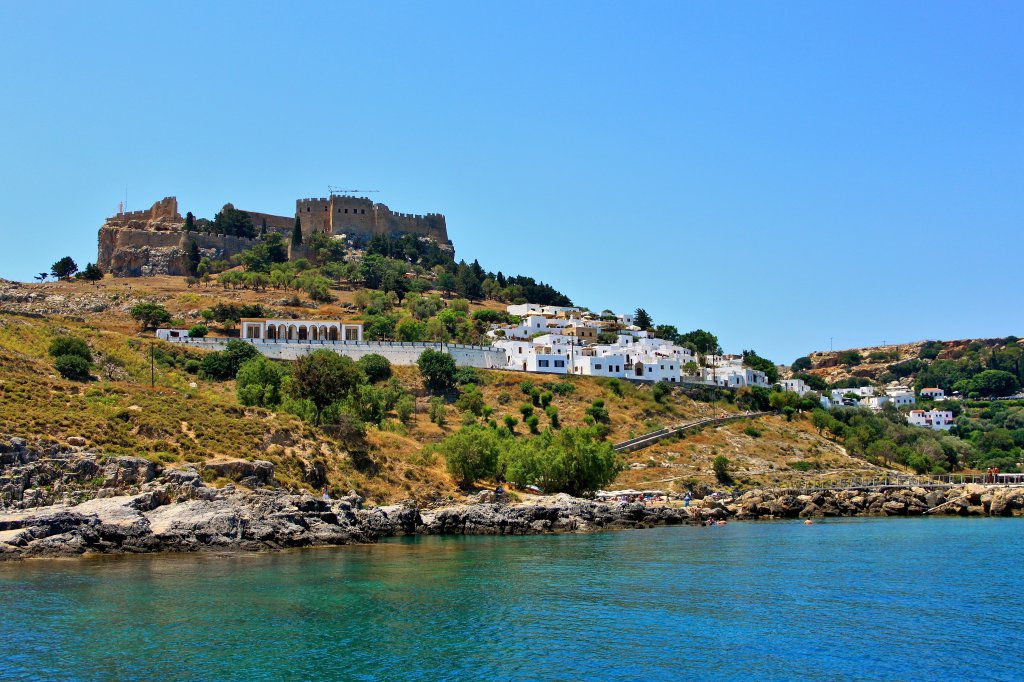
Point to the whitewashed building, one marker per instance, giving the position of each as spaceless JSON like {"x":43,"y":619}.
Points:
{"x":933,"y":393}
{"x":798,"y":386}
{"x":900,"y":398}
{"x":939,"y":420}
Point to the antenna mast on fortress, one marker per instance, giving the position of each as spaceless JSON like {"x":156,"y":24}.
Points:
{"x":337,"y":190}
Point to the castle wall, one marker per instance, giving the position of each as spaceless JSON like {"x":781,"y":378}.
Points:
{"x":275,"y":223}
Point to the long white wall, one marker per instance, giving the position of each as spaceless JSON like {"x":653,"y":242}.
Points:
{"x":398,"y":352}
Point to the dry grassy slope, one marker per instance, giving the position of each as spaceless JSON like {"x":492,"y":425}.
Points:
{"x":186,"y":419}
{"x":765,"y":460}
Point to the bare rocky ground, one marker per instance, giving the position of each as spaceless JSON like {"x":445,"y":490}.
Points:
{"x":62,"y":502}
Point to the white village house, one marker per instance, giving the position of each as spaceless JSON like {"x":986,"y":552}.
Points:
{"x":939,"y":420}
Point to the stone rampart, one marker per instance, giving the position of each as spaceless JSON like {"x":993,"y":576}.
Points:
{"x":126,"y":252}
{"x":398,"y":352}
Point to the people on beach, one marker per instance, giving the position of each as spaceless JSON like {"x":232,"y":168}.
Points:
{"x":686,"y":500}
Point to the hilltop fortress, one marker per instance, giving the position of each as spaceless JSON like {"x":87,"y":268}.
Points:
{"x":154,"y":241}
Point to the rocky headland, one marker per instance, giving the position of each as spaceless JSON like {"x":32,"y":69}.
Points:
{"x":64,"y":501}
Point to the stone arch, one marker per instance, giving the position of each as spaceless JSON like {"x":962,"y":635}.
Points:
{"x":333,"y":333}
{"x":303,"y":333}
{"x":271,"y":332}
{"x":292,"y":332}
{"x":314,"y":333}
{"x":323,"y":332}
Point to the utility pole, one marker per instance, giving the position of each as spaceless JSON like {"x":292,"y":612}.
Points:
{"x":830,"y":344}
{"x":152,"y":365}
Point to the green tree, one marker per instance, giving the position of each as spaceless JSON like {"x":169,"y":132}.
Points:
{"x":64,"y":268}
{"x":70,"y":345}
{"x":190,"y":222}
{"x":574,"y":461}
{"x":437,"y":410}
{"x":258,"y":382}
{"x":198,"y":331}
{"x":376,"y":367}
{"x":224,"y":365}
{"x":471,"y":453}
{"x":92,"y":273}
{"x":323,"y":377}
{"x":801,"y":364}
{"x":754,"y":361}
{"x":149,"y":314}
{"x":821,"y":420}
{"x":701,"y":341}
{"x":73,"y":367}
{"x":192,"y":258}
{"x":993,"y":382}
{"x":235,"y":223}
{"x":437,"y":369}
{"x":642,"y":319}
{"x":297,"y":232}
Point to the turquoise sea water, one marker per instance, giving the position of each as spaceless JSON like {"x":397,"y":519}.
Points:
{"x":893,"y":599}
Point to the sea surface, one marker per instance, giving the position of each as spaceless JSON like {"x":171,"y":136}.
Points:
{"x":887,"y":599}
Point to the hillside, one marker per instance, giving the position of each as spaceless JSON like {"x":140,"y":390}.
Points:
{"x":903,"y":362}
{"x":186,"y":419}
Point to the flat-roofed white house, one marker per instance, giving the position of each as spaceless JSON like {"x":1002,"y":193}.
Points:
{"x":900,"y":398}
{"x":933,"y":393}
{"x":939,"y":420}
{"x":613,"y":365}
{"x":260,"y":329}
{"x":798,"y":386}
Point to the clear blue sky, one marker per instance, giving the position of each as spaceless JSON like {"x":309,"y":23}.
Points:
{"x":778,"y":173}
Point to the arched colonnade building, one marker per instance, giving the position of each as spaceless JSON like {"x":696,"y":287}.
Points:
{"x":259,"y":329}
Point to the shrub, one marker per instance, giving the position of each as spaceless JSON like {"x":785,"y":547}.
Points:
{"x":504,"y":398}
{"x":70,"y":345}
{"x":510,"y":423}
{"x":324,"y":377}
{"x":563,"y":388}
{"x":545,"y":399}
{"x":801,"y":364}
{"x":552,"y":412}
{"x":849,"y":358}
{"x":526,"y":411}
{"x":720,"y":466}
{"x":660,"y":391}
{"x":471,"y":401}
{"x":526,"y":387}
{"x":597,"y":412}
{"x":437,"y":410}
{"x":73,"y":367}
{"x":615,"y":386}
{"x":375,"y":367}
{"x":224,"y":365}
{"x":532,"y":421}
{"x":405,"y":407}
{"x":467,"y":375}
{"x":198,"y":331}
{"x":752,"y":432}
{"x":801,"y":465}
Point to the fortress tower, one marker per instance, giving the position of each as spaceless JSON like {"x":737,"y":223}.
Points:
{"x":350,"y":215}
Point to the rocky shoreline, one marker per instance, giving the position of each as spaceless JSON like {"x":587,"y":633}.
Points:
{"x":64,"y":502}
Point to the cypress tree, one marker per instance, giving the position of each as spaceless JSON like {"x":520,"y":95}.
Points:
{"x":192,"y":261}
{"x":297,"y":232}
{"x":263,"y":228}
{"x":190,"y":222}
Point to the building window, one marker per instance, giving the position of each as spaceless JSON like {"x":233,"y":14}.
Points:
{"x":597,"y":366}
{"x":559,"y":363}
{"x":543,"y":363}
